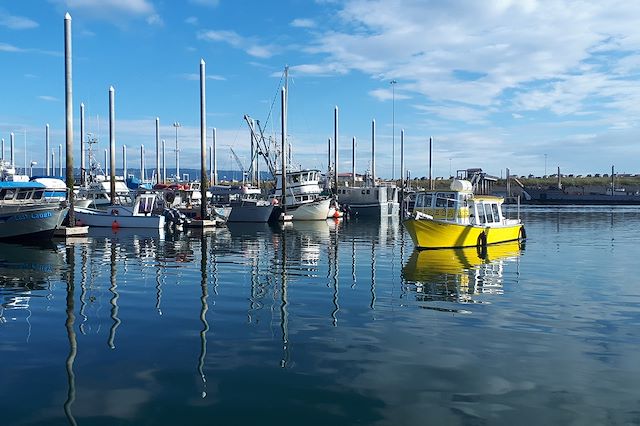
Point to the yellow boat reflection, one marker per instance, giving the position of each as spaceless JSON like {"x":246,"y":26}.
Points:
{"x":456,"y":274}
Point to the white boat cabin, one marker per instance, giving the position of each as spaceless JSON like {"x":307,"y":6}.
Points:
{"x":224,"y":194}
{"x":302,"y":186}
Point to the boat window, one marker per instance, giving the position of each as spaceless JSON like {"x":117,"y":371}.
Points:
{"x":38,"y":194}
{"x":481,"y":216}
{"x":368,"y":191}
{"x":363,"y":192}
{"x":8,"y":194}
{"x":428,"y":200}
{"x":295,"y":178}
{"x":488,"y":212}
{"x":445,"y":199}
{"x":145,"y":205}
{"x":440,"y":200}
{"x":23,"y":195}
{"x":496,"y":212}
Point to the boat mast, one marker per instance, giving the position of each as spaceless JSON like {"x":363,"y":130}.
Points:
{"x":283,"y":125}
{"x":373,"y":153}
{"x":613,"y":180}
{"x":335,"y":149}
{"x":112,"y":145}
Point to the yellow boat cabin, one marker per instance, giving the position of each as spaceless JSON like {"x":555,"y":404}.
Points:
{"x":459,"y":218}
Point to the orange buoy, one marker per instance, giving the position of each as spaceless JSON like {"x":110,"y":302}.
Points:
{"x":115,"y":225}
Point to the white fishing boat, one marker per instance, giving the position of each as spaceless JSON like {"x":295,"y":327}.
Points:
{"x":97,"y":193}
{"x":370,"y":200}
{"x":140,"y":215}
{"x":303,"y":200}
{"x":25,"y":211}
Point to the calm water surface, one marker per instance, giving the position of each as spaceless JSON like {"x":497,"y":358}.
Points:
{"x":324,"y":323}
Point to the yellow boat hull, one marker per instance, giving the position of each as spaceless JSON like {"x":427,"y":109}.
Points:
{"x":433,"y":234}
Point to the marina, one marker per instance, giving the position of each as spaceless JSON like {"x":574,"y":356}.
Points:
{"x":246,"y":272}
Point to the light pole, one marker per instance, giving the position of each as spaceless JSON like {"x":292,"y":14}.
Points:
{"x":177,"y":125}
{"x":545,"y":164}
{"x":450,"y":175}
{"x":393,"y":128}
{"x":33,"y":163}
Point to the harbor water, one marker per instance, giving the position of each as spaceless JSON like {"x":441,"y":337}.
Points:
{"x":322,"y":323}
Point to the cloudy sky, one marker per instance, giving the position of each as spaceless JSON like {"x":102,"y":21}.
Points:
{"x":521,"y":84}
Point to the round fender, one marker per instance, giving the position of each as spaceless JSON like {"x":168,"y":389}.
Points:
{"x":482,"y":240}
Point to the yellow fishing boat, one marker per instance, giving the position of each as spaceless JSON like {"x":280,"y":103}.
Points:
{"x":459,"y":218}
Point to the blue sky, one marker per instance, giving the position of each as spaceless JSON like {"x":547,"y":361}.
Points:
{"x":496,"y":83}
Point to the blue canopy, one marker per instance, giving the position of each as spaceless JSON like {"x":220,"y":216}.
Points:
{"x":11,"y":184}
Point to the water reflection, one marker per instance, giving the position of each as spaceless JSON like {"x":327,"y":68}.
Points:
{"x":26,"y":272}
{"x":457,"y":275}
{"x":203,"y":314}
{"x":71,"y":336}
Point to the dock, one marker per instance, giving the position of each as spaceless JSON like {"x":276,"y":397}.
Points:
{"x":203,"y":223}
{"x":67,"y":232}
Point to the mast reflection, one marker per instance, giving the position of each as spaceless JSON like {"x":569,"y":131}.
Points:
{"x":84,"y":255}
{"x":284,"y":313}
{"x":114,"y":300}
{"x":71,"y":335}
{"x":203,"y":313}
{"x":333,"y":249}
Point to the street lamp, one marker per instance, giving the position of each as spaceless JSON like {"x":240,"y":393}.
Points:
{"x":33,"y":163}
{"x":545,"y":164}
{"x":177,"y":125}
{"x":450,"y":175}
{"x":393,"y":128}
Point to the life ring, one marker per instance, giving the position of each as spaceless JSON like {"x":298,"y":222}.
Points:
{"x":114,"y":212}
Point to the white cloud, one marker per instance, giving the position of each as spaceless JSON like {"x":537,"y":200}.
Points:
{"x":387,"y":95}
{"x":135,"y":7}
{"x":455,"y":113}
{"x":196,"y":77}
{"x":249,"y":45}
{"x":191,"y":20}
{"x":480,"y":53}
{"x":5,"y":47}
{"x":317,"y":70}
{"x":208,"y":3}
{"x":155,"y":19}
{"x":48,"y":98}
{"x":114,"y":10}
{"x":303,"y":23}
{"x":16,"y":22}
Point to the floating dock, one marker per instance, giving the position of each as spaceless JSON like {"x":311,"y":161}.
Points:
{"x":67,"y":232}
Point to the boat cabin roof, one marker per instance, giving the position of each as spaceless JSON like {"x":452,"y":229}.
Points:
{"x":30,"y":185}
